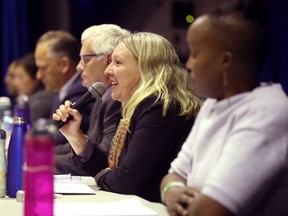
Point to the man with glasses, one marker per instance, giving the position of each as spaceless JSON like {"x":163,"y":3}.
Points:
{"x":56,"y":56}
{"x":98,"y":43}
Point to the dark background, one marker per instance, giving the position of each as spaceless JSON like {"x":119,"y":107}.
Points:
{"x":24,"y":21}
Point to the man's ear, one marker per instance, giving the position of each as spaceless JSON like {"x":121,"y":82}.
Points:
{"x":109,"y":59}
{"x":65,"y":64}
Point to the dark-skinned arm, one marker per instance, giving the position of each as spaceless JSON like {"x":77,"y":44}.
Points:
{"x":204,"y":206}
{"x":183,"y":200}
{"x":176,"y":195}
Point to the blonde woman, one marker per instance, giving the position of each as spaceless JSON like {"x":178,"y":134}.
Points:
{"x":158,"y":110}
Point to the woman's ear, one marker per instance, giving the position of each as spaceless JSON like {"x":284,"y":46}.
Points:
{"x":227,"y":60}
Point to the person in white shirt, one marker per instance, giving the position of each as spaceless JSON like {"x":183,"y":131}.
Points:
{"x":235,"y":160}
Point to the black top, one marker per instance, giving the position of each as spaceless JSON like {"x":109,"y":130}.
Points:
{"x":151,"y":146}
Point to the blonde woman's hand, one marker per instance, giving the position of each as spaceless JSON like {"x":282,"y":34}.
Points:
{"x":62,"y":113}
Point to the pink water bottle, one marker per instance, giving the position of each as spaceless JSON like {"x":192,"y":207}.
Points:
{"x":39,"y":169}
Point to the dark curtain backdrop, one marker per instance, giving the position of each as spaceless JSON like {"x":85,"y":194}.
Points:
{"x":14,"y":41}
{"x":276,"y":68}
{"x":22,"y":23}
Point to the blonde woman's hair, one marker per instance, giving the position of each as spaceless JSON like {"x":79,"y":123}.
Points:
{"x":161,"y":75}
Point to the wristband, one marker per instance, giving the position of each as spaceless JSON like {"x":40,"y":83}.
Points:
{"x":169,"y":186}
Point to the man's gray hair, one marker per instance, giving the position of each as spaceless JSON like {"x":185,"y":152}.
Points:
{"x":104,"y":38}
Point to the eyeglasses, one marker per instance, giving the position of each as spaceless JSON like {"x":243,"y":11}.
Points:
{"x":87,"y":57}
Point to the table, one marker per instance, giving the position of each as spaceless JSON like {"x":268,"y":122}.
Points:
{"x":9,"y":206}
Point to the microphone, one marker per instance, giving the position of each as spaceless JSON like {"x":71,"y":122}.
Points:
{"x":94,"y":92}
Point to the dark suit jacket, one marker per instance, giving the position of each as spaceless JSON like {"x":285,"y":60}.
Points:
{"x":151,"y":146}
{"x":103,"y":122}
{"x":75,"y":92}
{"x":40,"y":104}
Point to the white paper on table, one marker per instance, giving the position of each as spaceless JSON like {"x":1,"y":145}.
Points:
{"x":67,"y":178}
{"x":67,"y":184}
{"x":128,"y":207}
{"x":72,"y":188}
